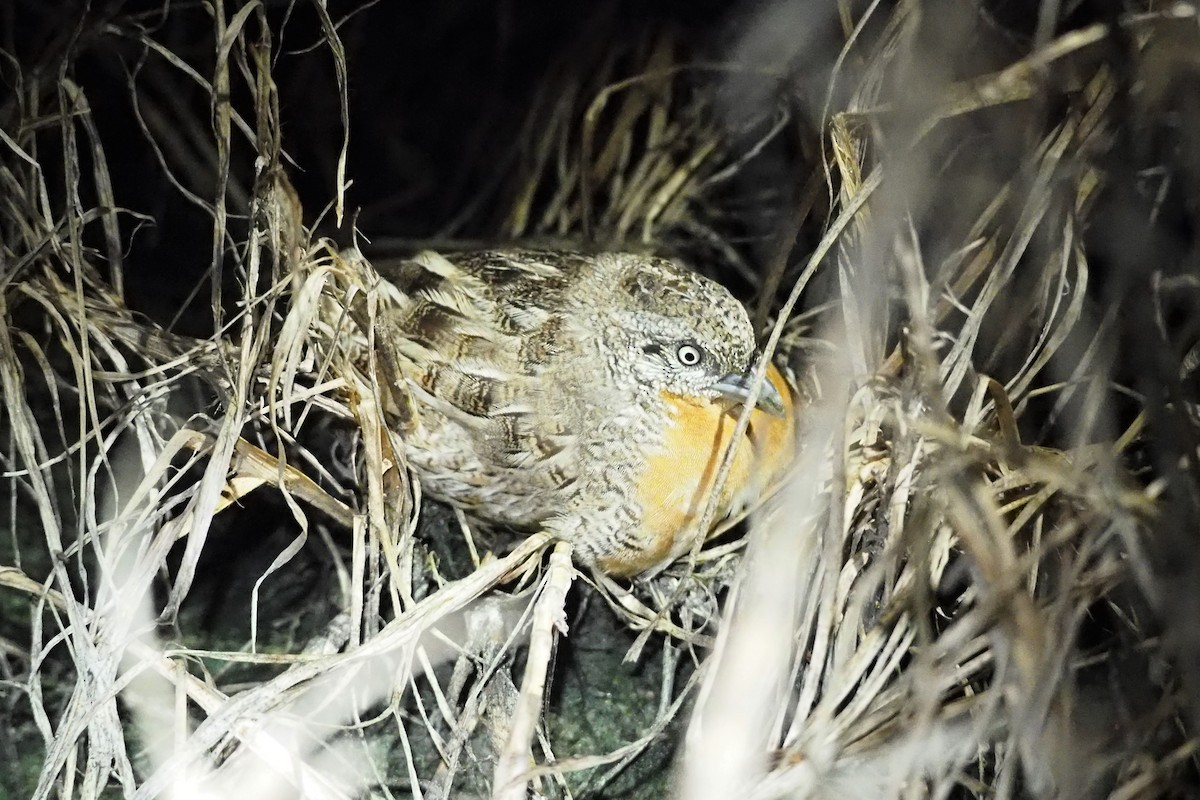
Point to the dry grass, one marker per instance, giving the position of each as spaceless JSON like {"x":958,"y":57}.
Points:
{"x":977,"y":581}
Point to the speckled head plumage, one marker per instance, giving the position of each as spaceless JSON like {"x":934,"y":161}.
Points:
{"x":559,"y":389}
{"x":680,"y":332}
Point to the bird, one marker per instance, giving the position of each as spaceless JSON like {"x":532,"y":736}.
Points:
{"x":589,"y":395}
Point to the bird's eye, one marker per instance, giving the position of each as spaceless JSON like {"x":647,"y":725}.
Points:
{"x":689,"y":355}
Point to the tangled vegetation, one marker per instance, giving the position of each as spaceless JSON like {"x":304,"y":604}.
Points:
{"x":968,"y":231}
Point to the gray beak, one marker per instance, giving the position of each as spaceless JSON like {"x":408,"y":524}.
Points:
{"x":736,"y":387}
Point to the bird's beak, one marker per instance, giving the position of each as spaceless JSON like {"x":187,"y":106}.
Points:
{"x":736,"y":387}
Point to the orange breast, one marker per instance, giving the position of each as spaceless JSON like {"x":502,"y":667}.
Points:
{"x":675,"y":487}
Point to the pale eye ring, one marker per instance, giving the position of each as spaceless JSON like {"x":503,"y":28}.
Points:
{"x":689,"y":355}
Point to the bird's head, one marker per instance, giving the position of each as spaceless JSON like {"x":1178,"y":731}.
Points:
{"x":686,"y":335}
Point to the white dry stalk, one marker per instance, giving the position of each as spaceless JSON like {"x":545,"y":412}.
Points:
{"x":549,"y":619}
{"x":746,"y":685}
